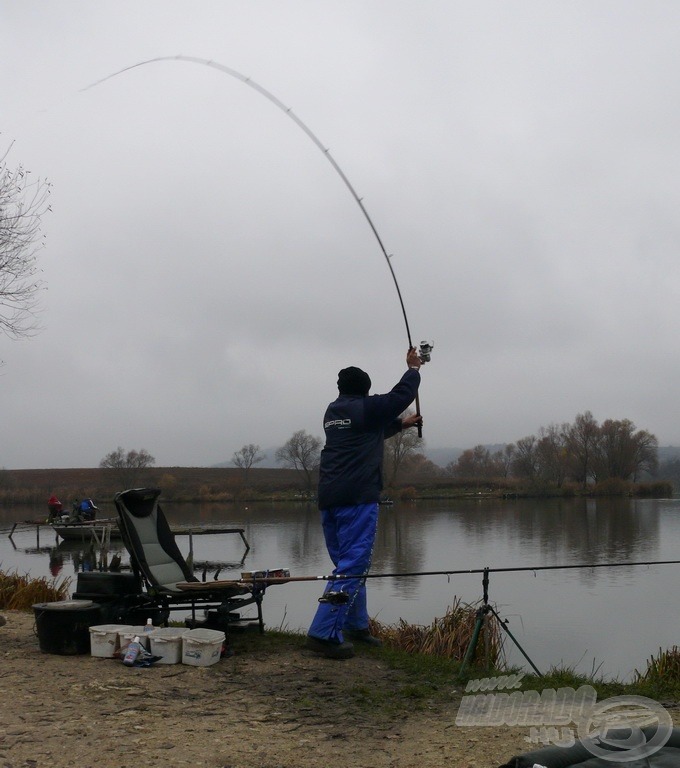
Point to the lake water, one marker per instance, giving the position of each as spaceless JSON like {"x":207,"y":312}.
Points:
{"x":609,"y":619}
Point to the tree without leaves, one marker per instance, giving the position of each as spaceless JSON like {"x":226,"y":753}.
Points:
{"x":303,"y":453}
{"x":623,"y":452}
{"x":479,"y":463}
{"x":127,"y":465}
{"x":646,"y":453}
{"x":504,"y":458}
{"x":525,"y":461}
{"x":551,"y":454}
{"x":23,"y":202}
{"x":398,"y":448}
{"x":466,"y":466}
{"x":246,"y":457}
{"x":582,"y":438}
{"x":583,"y":451}
{"x":420,"y":468}
{"x":473,"y":463}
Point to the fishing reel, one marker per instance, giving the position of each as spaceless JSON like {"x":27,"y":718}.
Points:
{"x":425,"y":351}
{"x":335,"y":597}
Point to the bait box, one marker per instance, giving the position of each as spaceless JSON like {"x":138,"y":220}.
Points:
{"x":278,"y":573}
{"x":128,"y":634}
{"x":105,"y":640}
{"x":166,"y":642}
{"x":202,"y":647}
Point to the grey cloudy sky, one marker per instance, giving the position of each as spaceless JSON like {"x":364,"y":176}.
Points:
{"x":208,"y":272}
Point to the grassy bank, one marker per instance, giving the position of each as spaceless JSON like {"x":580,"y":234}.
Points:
{"x":427,"y":679}
{"x":431,"y":660}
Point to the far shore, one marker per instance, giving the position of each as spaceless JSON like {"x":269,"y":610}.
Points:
{"x":200,"y":485}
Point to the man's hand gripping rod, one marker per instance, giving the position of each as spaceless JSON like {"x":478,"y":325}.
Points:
{"x":425,"y":355}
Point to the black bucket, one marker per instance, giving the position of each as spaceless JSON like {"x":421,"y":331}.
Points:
{"x":96,"y":584}
{"x":64,"y":626}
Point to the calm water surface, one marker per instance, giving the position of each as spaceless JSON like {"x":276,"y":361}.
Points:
{"x":610,"y":619}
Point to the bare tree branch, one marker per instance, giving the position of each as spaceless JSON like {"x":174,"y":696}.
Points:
{"x":127,"y":465}
{"x":302,"y":452}
{"x":23,"y":202}
{"x":246,"y":457}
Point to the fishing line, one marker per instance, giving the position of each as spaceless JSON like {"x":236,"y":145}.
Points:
{"x":326,"y":152}
{"x":450,"y":572}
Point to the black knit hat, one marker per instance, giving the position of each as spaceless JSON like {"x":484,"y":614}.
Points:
{"x":353,"y":381}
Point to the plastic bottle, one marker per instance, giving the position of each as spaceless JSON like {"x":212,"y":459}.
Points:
{"x":149,"y":626}
{"x":132,"y":652}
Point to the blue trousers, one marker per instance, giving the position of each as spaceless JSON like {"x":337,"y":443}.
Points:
{"x":350,"y":535}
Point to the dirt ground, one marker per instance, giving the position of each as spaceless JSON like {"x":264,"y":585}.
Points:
{"x":256,"y":709}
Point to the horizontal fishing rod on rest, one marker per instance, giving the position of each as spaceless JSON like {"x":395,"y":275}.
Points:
{"x":410,"y":574}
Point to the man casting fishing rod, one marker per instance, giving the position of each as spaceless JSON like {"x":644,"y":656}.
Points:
{"x":350,"y":483}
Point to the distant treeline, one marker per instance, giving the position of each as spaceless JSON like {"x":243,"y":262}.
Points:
{"x":587,"y":458}
{"x":35,"y":486}
{"x":609,"y":458}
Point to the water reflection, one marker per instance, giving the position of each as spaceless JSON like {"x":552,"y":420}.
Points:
{"x":568,"y":530}
{"x":84,"y":556}
{"x":424,"y":536}
{"x":556,"y":614}
{"x":400,"y":546}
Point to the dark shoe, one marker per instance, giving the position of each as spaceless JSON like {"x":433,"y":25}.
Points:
{"x":329,"y":649}
{"x":363,"y":636}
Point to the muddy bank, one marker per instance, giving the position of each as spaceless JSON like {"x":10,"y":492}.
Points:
{"x":261,"y":708}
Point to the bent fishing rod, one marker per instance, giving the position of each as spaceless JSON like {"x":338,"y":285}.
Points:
{"x":425,"y":347}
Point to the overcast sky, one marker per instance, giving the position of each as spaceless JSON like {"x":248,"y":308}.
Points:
{"x":209,"y":273}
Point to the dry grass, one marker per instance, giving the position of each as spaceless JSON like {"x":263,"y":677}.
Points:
{"x":22,"y":592}
{"x":447,"y":637}
{"x":663,"y":668}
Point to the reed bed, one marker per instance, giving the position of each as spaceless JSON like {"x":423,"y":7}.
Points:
{"x":447,"y":637}
{"x":20,"y":593}
{"x":662,"y":668}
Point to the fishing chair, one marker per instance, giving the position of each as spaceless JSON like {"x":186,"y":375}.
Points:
{"x":156,"y":559}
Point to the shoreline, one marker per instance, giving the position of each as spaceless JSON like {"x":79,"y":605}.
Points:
{"x":261,"y":708}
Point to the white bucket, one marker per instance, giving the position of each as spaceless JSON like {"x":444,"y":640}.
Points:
{"x":129,"y":633}
{"x":202,"y":647}
{"x":105,"y":639}
{"x":166,"y":642}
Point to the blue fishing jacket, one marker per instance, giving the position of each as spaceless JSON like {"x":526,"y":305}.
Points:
{"x":350,"y":471}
